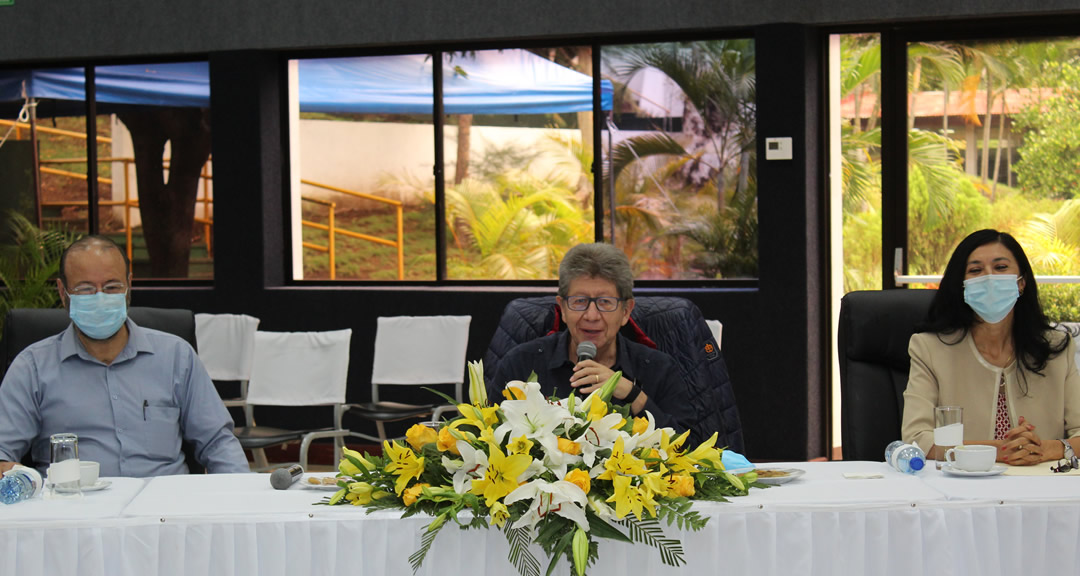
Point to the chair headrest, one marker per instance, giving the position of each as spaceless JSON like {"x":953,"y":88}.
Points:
{"x":879,"y":323}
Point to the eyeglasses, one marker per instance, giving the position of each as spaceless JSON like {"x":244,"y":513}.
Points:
{"x":1066,"y":465}
{"x":603,"y":303}
{"x":90,"y":290}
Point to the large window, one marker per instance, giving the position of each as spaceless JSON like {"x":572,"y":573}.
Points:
{"x":515,"y":186}
{"x":679,"y":158}
{"x":993,"y":135}
{"x":152,"y":128}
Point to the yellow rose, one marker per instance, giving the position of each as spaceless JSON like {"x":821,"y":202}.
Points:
{"x":681,"y":485}
{"x":640,"y":425}
{"x":579,"y":478}
{"x":418,"y":435}
{"x":412,"y":493}
{"x":447,"y":442}
{"x":569,"y":447}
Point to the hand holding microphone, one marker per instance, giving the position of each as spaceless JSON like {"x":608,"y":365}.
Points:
{"x":282,"y":478}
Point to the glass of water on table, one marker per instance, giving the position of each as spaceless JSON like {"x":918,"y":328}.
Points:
{"x":948,"y":429}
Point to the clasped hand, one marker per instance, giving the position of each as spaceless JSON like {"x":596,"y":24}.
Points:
{"x":1023,"y":447}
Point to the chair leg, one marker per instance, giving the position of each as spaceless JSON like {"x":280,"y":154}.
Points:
{"x":382,"y":431}
{"x":260,"y":459}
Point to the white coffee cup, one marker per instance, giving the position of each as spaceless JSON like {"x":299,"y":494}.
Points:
{"x":88,"y":473}
{"x":975,"y":458}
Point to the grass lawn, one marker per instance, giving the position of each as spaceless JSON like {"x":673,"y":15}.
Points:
{"x":361,"y":260}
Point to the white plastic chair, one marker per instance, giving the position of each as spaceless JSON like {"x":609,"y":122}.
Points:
{"x":298,"y":369}
{"x":414,"y":351}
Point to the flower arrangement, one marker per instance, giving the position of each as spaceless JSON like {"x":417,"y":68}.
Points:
{"x":561,"y":473}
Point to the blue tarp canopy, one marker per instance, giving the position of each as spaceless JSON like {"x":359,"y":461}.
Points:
{"x":484,"y":82}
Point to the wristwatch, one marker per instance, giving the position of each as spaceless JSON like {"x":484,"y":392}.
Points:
{"x":1069,"y":453}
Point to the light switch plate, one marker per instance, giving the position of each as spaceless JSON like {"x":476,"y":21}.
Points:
{"x":778,"y":148}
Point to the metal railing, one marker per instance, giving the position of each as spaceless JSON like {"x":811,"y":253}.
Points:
{"x":332,"y":230}
{"x":900,"y":278}
{"x":128,"y":203}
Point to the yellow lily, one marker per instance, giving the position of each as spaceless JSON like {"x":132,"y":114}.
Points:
{"x":627,"y":499}
{"x":621,"y":464}
{"x":403,"y":463}
{"x":480,"y":417}
{"x":347,"y":467}
{"x":477,"y":387}
{"x":499,"y":514}
{"x":360,"y":493}
{"x":521,"y":445}
{"x":501,"y":477}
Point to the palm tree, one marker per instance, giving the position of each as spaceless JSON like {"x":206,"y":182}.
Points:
{"x":29,"y":260}
{"x":717,"y":80}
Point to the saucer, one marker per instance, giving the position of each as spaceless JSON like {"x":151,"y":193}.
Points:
{"x":99,"y":485}
{"x":997,"y":469}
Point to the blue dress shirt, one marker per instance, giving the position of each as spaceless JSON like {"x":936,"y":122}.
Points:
{"x":130,"y":415}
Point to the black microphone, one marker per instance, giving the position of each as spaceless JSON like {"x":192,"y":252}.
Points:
{"x":282,"y":478}
{"x":586,"y":351}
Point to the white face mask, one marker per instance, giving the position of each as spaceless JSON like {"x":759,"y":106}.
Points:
{"x":992,"y":296}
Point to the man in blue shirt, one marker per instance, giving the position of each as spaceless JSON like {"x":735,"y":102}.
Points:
{"x":131,"y":394}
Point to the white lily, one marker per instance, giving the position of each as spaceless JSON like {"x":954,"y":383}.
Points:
{"x":599,"y":435}
{"x":473,"y":465}
{"x":561,"y":497}
{"x":534,"y":417}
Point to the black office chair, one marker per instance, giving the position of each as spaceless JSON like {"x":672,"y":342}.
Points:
{"x":672,"y":325}
{"x":875,"y":327}
{"x":24,"y":326}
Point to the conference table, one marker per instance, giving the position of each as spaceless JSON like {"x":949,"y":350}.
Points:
{"x":823,"y":523}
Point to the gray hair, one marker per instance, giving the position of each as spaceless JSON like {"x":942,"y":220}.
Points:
{"x":596,"y":261}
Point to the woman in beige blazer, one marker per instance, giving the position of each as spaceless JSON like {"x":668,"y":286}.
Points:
{"x":987,"y":346}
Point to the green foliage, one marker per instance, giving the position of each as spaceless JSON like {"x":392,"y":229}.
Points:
{"x":932,"y":235}
{"x":29,"y":260}
{"x":1049,"y":165}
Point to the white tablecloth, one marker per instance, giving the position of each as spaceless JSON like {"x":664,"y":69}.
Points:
{"x":820,"y":524}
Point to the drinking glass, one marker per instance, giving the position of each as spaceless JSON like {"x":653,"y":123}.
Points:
{"x":64,"y":470}
{"x":948,"y":428}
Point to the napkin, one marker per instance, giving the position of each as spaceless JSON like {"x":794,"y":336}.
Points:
{"x":734,"y":461}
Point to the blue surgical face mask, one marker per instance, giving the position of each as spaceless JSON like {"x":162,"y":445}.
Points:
{"x":100,"y":315}
{"x":992,"y":296}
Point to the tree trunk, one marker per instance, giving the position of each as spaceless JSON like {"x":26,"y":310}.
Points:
{"x":464,"y":135}
{"x":168,"y":207}
{"x":984,"y":164}
{"x":997,"y":154}
{"x":916,"y":77}
{"x":945,"y":119}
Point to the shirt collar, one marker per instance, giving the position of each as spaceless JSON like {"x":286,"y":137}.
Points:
{"x":70,"y":345}
{"x":561,"y":354}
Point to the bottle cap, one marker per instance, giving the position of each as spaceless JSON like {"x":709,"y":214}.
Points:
{"x":916,"y":463}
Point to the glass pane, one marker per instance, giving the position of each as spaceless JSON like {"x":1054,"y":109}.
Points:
{"x":992,"y":141}
{"x":680,"y":160}
{"x":518,"y":153}
{"x":156,"y":192}
{"x":41,"y":210}
{"x":363,"y":168}
{"x":860,"y":159}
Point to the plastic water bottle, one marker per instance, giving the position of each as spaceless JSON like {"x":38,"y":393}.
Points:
{"x":907,"y":458}
{"x":18,"y":484}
